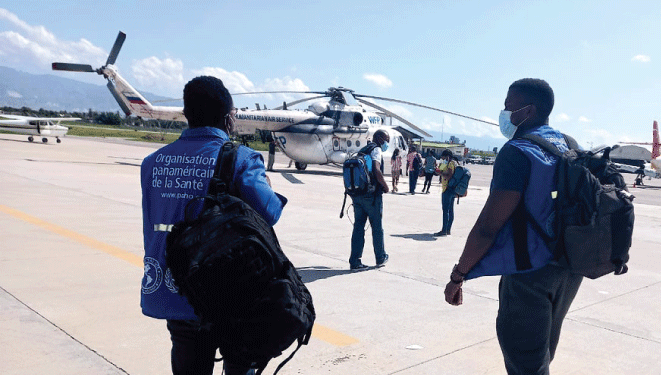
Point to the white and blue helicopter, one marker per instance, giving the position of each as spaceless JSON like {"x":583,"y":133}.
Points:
{"x":325,"y":132}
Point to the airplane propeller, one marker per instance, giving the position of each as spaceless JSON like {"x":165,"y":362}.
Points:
{"x":112,"y":57}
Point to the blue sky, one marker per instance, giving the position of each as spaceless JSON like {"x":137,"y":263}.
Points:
{"x":602,"y":58}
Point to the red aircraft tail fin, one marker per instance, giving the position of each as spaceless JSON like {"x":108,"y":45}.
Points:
{"x":655,"y":141}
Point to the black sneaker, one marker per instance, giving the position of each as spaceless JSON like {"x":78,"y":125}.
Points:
{"x":383,"y":261}
{"x":441,"y":234}
{"x":358,"y":267}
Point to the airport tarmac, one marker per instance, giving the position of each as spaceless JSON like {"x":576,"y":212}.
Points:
{"x":71,"y":268}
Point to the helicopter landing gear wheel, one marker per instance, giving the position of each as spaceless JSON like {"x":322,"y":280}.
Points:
{"x":31,"y":139}
{"x":58,"y":140}
{"x":45,"y":140}
{"x":300,"y":166}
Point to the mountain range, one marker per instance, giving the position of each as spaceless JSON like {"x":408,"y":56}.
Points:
{"x":19,"y":89}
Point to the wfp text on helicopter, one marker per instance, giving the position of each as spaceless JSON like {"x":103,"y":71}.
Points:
{"x":325,"y":132}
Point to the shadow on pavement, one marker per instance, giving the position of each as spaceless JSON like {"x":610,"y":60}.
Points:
{"x":416,"y":236}
{"x":310,"y":274}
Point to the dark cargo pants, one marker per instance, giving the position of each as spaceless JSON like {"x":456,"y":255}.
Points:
{"x":532,"y":308}
{"x":193,"y":351}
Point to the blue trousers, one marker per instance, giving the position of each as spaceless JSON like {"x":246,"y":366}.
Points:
{"x":193,"y":351}
{"x":447,"y":204}
{"x":413,"y":180}
{"x":532,"y":306}
{"x":367,"y":207}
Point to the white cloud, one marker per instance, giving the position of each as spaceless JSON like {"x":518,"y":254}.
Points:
{"x":26,"y":45}
{"x":379,"y":80}
{"x":584,"y":119}
{"x":641,"y":58}
{"x":13,"y":94}
{"x":236,"y":82}
{"x":562,"y":117}
{"x":162,"y":76}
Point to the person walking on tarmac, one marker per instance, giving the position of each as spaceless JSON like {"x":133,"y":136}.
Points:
{"x":413,"y":165}
{"x":430,"y":168}
{"x":370,"y":206}
{"x":271,"y":155}
{"x":448,"y":195}
{"x":208,"y":107}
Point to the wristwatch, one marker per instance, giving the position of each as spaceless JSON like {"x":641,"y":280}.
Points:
{"x":455,"y":271}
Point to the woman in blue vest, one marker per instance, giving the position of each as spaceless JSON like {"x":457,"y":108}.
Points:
{"x":535,"y":293}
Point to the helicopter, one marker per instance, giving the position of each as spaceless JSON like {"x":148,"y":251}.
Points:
{"x":326,"y":132}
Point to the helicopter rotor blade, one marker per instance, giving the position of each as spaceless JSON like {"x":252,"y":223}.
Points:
{"x":73,"y":67}
{"x":300,"y":101}
{"x":279,"y":92}
{"x":426,"y":107}
{"x":389,"y":113}
{"x":115,"y":48}
{"x":118,"y":98}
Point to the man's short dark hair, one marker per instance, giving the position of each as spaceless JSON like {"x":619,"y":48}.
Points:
{"x":446,"y":152}
{"x":539,"y":92}
{"x":380,"y":135}
{"x":206,"y":102}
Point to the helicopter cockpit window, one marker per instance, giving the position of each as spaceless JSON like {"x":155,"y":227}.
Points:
{"x":348,"y":98}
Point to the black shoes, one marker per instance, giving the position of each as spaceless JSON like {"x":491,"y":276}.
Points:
{"x":358,"y":267}
{"x":383,"y":261}
{"x":442,"y":234}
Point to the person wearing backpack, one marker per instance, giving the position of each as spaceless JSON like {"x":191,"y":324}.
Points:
{"x":413,"y":165}
{"x":170,"y":177}
{"x":448,"y":195}
{"x":430,"y":168}
{"x":535,"y":292}
{"x":370,"y":206}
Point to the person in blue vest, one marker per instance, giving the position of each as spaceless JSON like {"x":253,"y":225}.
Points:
{"x":535,"y":292}
{"x":370,"y":206}
{"x":170,"y":177}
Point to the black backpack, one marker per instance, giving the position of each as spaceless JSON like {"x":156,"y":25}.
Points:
{"x":229,"y":265}
{"x":594,"y":211}
{"x":357,"y":174}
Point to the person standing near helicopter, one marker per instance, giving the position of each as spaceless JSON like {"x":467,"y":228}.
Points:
{"x":370,"y":206}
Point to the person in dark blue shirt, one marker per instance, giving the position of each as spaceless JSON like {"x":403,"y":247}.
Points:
{"x":170,"y":177}
{"x":533,"y":299}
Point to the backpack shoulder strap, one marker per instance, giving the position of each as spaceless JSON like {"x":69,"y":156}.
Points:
{"x":222,"y":180}
{"x":368,"y":148}
{"x":571,"y":142}
{"x":543,"y":143}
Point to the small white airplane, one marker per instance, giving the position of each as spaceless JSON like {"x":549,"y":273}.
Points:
{"x":639,"y":160}
{"x":326,"y":132}
{"x":35,"y":126}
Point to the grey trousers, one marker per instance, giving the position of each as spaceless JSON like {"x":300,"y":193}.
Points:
{"x":531,"y":310}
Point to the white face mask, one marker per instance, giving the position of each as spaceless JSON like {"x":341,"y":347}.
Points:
{"x":505,"y":121}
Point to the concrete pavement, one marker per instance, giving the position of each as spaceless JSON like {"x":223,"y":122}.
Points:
{"x":70,"y":271}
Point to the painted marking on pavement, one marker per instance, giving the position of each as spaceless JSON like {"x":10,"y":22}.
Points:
{"x":318,"y":331}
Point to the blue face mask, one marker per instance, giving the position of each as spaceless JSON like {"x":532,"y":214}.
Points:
{"x":505,"y":121}
{"x":384,"y":146}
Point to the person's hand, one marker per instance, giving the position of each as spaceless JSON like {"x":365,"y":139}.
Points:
{"x":453,"y":293}
{"x":385,"y":188}
{"x":268,"y":180}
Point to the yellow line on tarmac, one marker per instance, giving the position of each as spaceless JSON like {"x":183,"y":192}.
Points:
{"x":87,"y":241}
{"x":318,"y":331}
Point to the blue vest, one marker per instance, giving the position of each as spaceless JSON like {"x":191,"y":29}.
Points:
{"x":172,"y":176}
{"x":518,"y":247}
